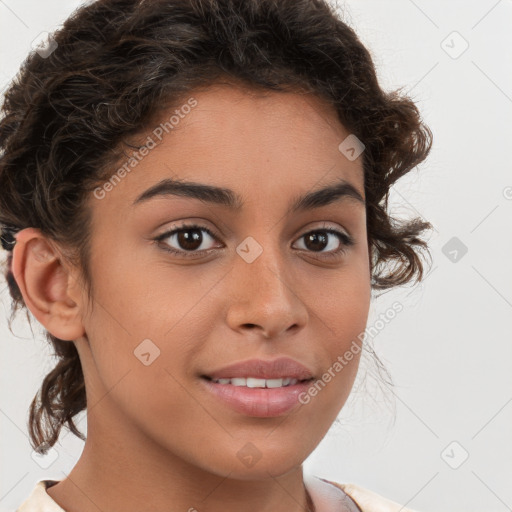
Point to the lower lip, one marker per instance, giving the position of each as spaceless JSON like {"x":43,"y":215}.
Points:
{"x":258,"y":402}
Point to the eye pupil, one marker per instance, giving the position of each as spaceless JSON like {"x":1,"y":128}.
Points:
{"x":190,"y":242}
{"x":316,"y":239}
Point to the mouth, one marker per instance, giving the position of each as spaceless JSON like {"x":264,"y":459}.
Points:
{"x":255,"y":382}
{"x":256,"y":397}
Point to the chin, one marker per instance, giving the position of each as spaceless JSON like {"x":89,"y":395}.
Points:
{"x":264,"y":470}
{"x":261,"y":459}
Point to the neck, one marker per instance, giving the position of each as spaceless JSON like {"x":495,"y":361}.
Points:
{"x":111,"y":477}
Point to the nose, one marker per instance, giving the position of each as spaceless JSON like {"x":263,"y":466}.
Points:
{"x":264,"y":297}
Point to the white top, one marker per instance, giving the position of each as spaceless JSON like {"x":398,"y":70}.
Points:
{"x":327,"y":497}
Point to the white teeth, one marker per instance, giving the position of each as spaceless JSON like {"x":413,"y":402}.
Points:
{"x":274,"y":383}
{"x":253,"y":382}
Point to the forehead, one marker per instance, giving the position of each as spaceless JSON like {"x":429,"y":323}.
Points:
{"x":262,"y":144}
{"x":240,"y":114}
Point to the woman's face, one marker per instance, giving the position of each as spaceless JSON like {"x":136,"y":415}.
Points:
{"x":269,"y":282}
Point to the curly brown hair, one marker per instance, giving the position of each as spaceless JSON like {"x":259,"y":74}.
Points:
{"x":117,"y":63}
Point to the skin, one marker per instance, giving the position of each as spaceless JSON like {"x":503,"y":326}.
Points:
{"x":156,"y":438}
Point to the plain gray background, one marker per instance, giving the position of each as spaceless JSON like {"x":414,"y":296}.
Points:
{"x":449,"y":351}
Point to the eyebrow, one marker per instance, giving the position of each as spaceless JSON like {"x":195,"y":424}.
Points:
{"x":221,"y":196}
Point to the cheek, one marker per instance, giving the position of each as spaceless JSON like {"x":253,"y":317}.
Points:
{"x":341,"y":298}
{"x":341,"y":310}
{"x":144,"y":332}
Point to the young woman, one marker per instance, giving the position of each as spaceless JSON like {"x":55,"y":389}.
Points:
{"x":194,"y":205}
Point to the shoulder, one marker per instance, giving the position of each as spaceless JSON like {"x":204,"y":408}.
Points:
{"x":39,"y":500}
{"x":369,"y":501}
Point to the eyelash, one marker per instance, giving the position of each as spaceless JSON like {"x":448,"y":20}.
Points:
{"x":345,"y":239}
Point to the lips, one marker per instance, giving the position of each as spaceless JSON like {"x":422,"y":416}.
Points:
{"x":281,"y":368}
{"x":259,"y":387}
{"x":256,"y":402}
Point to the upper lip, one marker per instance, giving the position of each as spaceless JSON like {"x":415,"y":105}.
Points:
{"x":264,"y":369}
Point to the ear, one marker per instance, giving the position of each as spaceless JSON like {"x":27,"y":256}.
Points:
{"x":48,"y":287}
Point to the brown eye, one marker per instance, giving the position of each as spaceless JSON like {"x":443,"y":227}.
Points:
{"x":326,"y":241}
{"x":316,"y":241}
{"x":187,"y":240}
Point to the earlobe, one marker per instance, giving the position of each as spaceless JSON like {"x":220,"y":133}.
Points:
{"x":44,"y":283}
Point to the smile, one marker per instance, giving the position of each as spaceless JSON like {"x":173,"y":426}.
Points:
{"x":262,"y":398}
{"x":253,"y":382}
